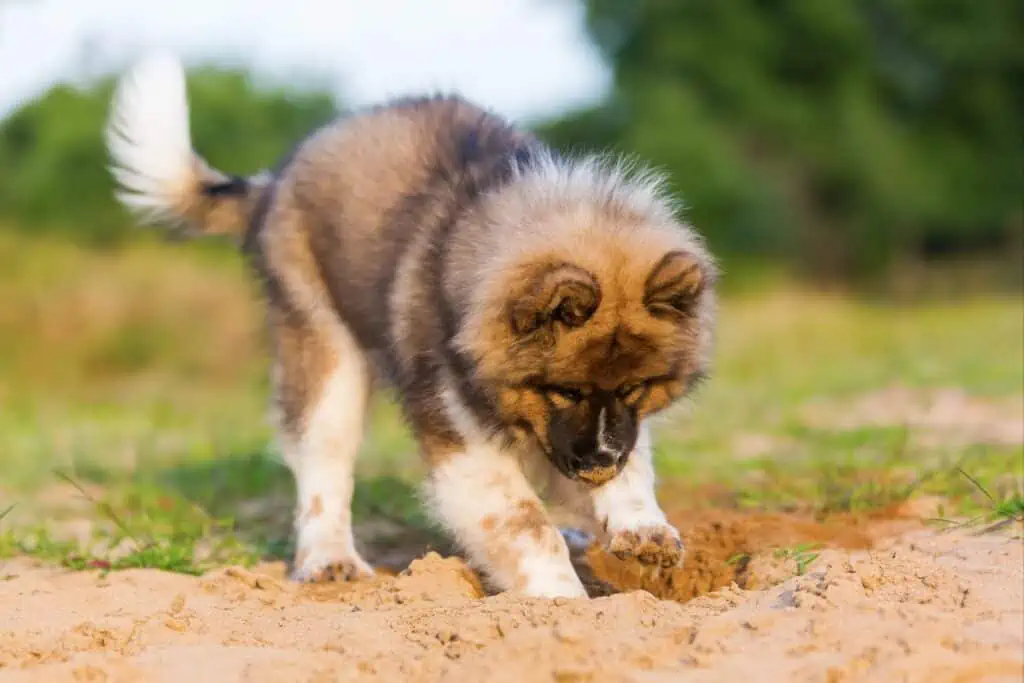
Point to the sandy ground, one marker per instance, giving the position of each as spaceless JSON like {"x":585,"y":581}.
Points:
{"x":917,"y":606}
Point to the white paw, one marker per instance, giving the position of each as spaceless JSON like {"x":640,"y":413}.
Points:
{"x":657,"y":545}
{"x":323,"y":567}
{"x":568,"y":586}
{"x":550,"y":576}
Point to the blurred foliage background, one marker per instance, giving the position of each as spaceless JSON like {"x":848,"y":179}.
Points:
{"x":52,"y":156}
{"x":837,"y":138}
{"x":843,"y":133}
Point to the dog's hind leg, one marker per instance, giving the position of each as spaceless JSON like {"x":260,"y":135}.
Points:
{"x":322,"y":385}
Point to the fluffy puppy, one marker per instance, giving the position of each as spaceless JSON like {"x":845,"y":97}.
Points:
{"x":531,"y":312}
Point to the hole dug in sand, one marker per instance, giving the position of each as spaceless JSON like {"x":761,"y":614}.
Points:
{"x":754,"y":551}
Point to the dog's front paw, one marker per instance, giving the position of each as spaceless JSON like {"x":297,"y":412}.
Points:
{"x":657,"y":545}
{"x":323,"y":570}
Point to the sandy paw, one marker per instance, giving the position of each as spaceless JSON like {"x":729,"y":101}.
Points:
{"x":654,"y":545}
{"x":344,"y":569}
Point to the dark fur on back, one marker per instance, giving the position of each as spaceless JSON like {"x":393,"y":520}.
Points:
{"x":455,"y":153}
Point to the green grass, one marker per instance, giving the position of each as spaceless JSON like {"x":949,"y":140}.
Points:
{"x":141,"y":374}
{"x":993,"y":513}
{"x":802,"y":554}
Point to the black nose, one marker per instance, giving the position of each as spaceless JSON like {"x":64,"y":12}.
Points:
{"x":592,"y":459}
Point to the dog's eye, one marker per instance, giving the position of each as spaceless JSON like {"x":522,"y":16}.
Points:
{"x":631,"y":393}
{"x":563,"y":397}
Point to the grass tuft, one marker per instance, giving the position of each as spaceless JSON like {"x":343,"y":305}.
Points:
{"x":996,"y":514}
{"x":803,"y":554}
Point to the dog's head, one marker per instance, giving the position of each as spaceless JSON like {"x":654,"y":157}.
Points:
{"x":602,"y":323}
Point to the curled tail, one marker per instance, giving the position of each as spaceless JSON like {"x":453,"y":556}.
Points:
{"x":159,"y":177}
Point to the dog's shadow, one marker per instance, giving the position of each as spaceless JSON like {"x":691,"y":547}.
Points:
{"x":255,"y":491}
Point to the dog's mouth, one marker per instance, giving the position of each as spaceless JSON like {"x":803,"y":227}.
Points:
{"x":591,"y":476}
{"x":596,"y":476}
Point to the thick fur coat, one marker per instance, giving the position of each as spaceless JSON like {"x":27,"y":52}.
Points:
{"x":532,"y":312}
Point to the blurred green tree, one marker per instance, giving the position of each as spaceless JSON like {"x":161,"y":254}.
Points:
{"x":838,"y":134}
{"x":52,"y":157}
{"x":843,"y":133}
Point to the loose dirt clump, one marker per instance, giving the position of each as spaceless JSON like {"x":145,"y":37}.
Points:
{"x":750,"y":550}
{"x":921,"y":606}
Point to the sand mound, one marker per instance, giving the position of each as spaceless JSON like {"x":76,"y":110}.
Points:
{"x":928,"y":607}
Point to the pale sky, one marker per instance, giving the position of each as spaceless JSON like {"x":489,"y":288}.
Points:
{"x":523,"y":58}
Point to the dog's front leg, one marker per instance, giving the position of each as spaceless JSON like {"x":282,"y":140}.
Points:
{"x":481,"y":495}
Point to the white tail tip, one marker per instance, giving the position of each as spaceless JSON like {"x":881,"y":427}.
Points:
{"x":148,"y":138}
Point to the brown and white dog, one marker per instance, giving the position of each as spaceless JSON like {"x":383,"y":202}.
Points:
{"x":531,"y":312}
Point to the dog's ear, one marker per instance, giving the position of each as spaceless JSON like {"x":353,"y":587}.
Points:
{"x":675,"y":283}
{"x":559,"y":294}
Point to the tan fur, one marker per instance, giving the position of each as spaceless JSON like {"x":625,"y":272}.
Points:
{"x":471,"y":268}
{"x":304,"y":362}
{"x":223,"y":215}
{"x":623,"y":344}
